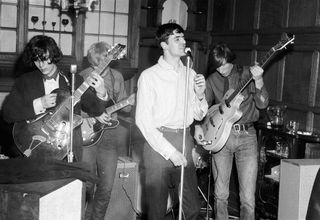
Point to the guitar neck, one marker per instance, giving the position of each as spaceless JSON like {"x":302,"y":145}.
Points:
{"x":117,"y":106}
{"x":84,"y":86}
{"x":244,"y":83}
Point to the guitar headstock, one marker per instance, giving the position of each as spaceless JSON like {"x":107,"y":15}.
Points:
{"x":285,"y":40}
{"x":132,"y":99}
{"x":116,"y":52}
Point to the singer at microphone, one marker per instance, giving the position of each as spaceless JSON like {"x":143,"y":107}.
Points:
{"x":188,"y":52}
{"x":164,"y":114}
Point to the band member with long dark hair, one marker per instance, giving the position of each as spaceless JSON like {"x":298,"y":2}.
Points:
{"x":160,"y":117}
{"x":32,"y":94}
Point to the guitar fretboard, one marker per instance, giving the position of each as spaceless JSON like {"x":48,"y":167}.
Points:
{"x":245,"y":82}
{"x":117,"y":106}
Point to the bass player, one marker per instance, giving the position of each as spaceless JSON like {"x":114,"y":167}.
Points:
{"x":242,"y":141}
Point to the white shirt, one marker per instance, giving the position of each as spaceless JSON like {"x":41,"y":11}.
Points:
{"x":49,"y":86}
{"x":160,"y":102}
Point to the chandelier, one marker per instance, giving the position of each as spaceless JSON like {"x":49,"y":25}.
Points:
{"x":75,"y":6}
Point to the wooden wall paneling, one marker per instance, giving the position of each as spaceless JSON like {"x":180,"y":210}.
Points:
{"x":222,"y":14}
{"x":244,"y":15}
{"x":22,"y":21}
{"x":197,"y":15}
{"x":133,"y":55}
{"x":303,"y":13}
{"x":210,"y":15}
{"x":257,"y":14}
{"x":306,"y":39}
{"x":316,"y":125}
{"x":272,"y":13}
{"x":310,"y":122}
{"x":280,"y":81}
{"x":313,"y":79}
{"x":271,"y":76}
{"x":148,"y":56}
{"x":236,"y":41}
{"x":297,"y":78}
{"x":79,"y":40}
{"x":243,"y":57}
{"x":317,"y":72}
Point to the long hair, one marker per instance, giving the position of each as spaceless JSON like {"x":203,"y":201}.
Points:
{"x":220,"y":52}
{"x":38,"y":47}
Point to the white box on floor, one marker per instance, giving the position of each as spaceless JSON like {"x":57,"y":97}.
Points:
{"x":48,"y":200}
{"x":296,"y":181}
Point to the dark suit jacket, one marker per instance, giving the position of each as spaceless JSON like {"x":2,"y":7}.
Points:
{"x":18,"y":106}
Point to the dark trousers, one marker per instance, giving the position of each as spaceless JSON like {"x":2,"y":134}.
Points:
{"x":161,"y":175}
{"x":102,"y":160}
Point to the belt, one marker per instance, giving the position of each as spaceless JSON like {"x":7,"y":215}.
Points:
{"x":242,"y":127}
{"x":173,"y":130}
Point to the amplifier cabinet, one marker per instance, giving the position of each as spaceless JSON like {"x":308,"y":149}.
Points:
{"x":296,"y":181}
{"x":48,"y":200}
{"x":123,"y":202}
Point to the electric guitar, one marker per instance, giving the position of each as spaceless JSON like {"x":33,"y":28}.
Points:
{"x":49,"y":134}
{"x":220,"y":118}
{"x":92,"y":129}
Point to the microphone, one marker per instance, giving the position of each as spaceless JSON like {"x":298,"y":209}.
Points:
{"x":188,"y":52}
{"x":73,"y":69}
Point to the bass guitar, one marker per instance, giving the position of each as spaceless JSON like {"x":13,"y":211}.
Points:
{"x":92,"y":129}
{"x":49,"y":134}
{"x":220,"y":118}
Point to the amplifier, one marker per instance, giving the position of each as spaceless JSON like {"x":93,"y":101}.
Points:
{"x":296,"y":181}
{"x":123,"y":202}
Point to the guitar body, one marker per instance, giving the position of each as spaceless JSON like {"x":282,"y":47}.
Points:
{"x":92,"y":130}
{"x":219,"y":120}
{"x":48,"y":135}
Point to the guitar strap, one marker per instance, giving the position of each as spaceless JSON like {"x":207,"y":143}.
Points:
{"x":226,"y":84}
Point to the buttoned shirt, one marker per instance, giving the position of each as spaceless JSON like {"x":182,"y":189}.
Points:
{"x":49,"y":86}
{"x":254,"y":99}
{"x":160,"y":102}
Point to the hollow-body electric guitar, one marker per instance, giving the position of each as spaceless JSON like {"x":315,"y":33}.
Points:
{"x":92,"y":129}
{"x":49,"y":134}
{"x":220,"y":118}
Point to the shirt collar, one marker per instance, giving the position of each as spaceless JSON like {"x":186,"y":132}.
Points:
{"x":54,"y":76}
{"x":166,"y":65}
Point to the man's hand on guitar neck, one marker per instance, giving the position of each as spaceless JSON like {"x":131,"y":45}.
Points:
{"x":257,"y":72}
{"x":97,"y":82}
{"x":104,"y":118}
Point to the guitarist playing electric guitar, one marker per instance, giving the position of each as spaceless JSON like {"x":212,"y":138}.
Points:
{"x":102,"y":155}
{"x":241,"y":142}
{"x":36,"y":104}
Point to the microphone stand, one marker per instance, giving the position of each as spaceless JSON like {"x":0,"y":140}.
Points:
{"x":70,"y":156}
{"x":184,"y":133}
